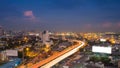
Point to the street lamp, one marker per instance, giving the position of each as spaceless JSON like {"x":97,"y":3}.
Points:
{"x":24,"y":51}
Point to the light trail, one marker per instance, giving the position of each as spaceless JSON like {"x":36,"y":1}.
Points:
{"x":52,"y":60}
{"x":55,"y":61}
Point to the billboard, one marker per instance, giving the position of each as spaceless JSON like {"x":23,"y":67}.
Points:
{"x":103,"y":40}
{"x":11,"y":52}
{"x":101,"y":49}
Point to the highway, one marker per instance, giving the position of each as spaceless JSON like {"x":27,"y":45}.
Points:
{"x":52,"y":60}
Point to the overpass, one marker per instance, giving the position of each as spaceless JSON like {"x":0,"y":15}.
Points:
{"x":54,"y":59}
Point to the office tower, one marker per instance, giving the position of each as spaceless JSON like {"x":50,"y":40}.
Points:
{"x":45,"y":37}
{"x":1,"y":31}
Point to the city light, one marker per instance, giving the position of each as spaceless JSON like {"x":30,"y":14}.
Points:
{"x":60,"y":34}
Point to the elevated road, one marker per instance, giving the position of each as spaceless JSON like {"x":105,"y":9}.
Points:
{"x":52,"y":60}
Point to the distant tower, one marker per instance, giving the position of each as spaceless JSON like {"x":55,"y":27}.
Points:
{"x":1,"y":31}
{"x":45,"y":37}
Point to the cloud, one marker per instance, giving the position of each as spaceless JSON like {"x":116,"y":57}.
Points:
{"x":88,"y":26}
{"x":106,"y":24}
{"x":118,"y":24}
{"x":29,"y":15}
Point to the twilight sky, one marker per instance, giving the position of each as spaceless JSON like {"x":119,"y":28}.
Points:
{"x":60,"y":15}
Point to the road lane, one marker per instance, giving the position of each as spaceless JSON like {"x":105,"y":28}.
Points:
{"x":52,"y":60}
{"x":55,"y":61}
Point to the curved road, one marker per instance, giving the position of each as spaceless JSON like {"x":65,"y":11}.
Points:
{"x":52,"y":60}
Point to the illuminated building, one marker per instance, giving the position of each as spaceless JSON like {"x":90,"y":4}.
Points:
{"x":3,"y":56}
{"x":119,"y":64}
{"x":1,"y":31}
{"x":45,"y":37}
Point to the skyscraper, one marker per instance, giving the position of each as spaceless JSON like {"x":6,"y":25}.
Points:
{"x":1,"y":31}
{"x":45,"y":37}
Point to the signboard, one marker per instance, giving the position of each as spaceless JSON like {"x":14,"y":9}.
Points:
{"x":101,"y":49}
{"x":103,"y":40}
{"x":65,"y":66}
{"x":11,"y":52}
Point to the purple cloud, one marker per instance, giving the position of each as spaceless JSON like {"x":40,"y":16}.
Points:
{"x":88,"y":26}
{"x":29,"y":15}
{"x":118,"y":24}
{"x":107,"y":24}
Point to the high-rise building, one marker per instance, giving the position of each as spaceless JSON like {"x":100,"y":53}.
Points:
{"x":45,"y":37}
{"x":119,"y":64}
{"x":3,"y":56}
{"x":1,"y":31}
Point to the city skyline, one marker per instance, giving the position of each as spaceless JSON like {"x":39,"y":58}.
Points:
{"x":61,"y":15}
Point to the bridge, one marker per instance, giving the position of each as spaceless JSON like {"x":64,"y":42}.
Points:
{"x":54,"y":59}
